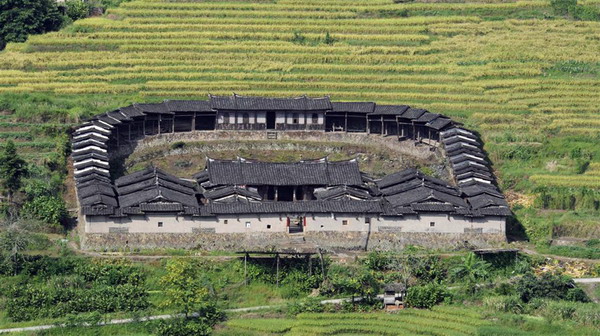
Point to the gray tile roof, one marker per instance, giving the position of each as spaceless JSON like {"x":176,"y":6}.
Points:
{"x":390,"y":109}
{"x":358,"y":107}
{"x":341,"y":192}
{"x":158,"y":108}
{"x":439,"y":123}
{"x":220,"y":192}
{"x":237,"y":102}
{"x":243,"y":172}
{"x":153,"y":185}
{"x":188,"y":105}
{"x":131,"y":111}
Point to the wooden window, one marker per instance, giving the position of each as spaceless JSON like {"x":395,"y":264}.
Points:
{"x":295,"y":119}
{"x":268,"y":226}
{"x":225,"y":221}
{"x":245,"y":118}
{"x":432,"y":224}
{"x":247,"y":225}
{"x":315,"y":118}
{"x":160,"y":224}
{"x":225,"y":118}
{"x":344,"y":222}
{"x":367,"y":220}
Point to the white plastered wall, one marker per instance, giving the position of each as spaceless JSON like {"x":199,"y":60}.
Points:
{"x":278,"y":223}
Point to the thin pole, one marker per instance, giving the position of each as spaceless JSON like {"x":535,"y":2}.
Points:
{"x":277,"y":258}
{"x":309,"y":264}
{"x":246,"y":269}
{"x":322,"y":264}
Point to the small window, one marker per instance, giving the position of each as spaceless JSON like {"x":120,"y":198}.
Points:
{"x":225,"y":118}
{"x":160,"y":224}
{"x":432,"y":224}
{"x":268,"y":226}
{"x":367,"y":220}
{"x":247,"y":225}
{"x":315,"y":118}
{"x":295,"y":119}
{"x":344,"y":222}
{"x":225,"y":221}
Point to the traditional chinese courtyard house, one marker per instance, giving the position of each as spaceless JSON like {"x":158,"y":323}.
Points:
{"x":246,"y":203}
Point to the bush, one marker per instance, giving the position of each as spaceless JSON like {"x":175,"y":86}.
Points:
{"x":350,"y":280}
{"x":563,"y":7}
{"x":77,"y":9}
{"x":549,"y":286}
{"x":507,"y":304}
{"x":308,"y":305}
{"x":426,"y":296}
{"x":183,"y":327}
{"x":49,"y":209}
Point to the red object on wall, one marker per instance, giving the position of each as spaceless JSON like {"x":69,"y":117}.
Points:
{"x":304,"y":221}
{"x":288,"y":222}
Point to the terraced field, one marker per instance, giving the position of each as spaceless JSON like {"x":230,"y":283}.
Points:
{"x":441,"y":321}
{"x":526,"y":79}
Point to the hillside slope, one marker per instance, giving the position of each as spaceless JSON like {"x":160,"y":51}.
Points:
{"x":524,"y":78}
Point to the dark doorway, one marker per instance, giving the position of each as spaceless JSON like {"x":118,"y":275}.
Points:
{"x":271,"y":120}
{"x":205,"y":122}
{"x":296,"y":224}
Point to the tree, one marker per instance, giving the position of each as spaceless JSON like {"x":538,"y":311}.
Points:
{"x":426,"y":296}
{"x":471,"y":271}
{"x":549,"y":286}
{"x":19,"y":18}
{"x":187,"y":295}
{"x":15,"y":236}
{"x":12,"y":169}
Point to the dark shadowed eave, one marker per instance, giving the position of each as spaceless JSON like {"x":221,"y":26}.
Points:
{"x":301,"y":207}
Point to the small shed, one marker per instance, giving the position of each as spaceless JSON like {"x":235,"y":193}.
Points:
{"x":393,"y":296}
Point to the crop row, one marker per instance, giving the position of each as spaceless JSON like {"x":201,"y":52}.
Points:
{"x":383,"y":22}
{"x":244,"y":7}
{"x":588,"y":181}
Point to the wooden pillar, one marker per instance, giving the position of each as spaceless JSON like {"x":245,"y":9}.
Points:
{"x":246,"y":269}
{"x":368,"y":125}
{"x":277,"y":275}
{"x":144,"y":126}
{"x":382,"y":130}
{"x":346,"y":122}
{"x":173,"y":124}
{"x":294,"y":193}
{"x":322,"y":265}
{"x":159,"y":120}
{"x":194,"y":122}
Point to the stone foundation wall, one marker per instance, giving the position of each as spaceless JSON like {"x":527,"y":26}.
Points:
{"x":327,"y":240}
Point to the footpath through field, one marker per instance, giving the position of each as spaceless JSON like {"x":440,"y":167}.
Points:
{"x":156,"y":317}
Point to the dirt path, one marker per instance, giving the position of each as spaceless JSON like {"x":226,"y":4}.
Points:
{"x":532,"y":252}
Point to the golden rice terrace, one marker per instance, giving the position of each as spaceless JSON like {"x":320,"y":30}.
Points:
{"x":498,"y":66}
